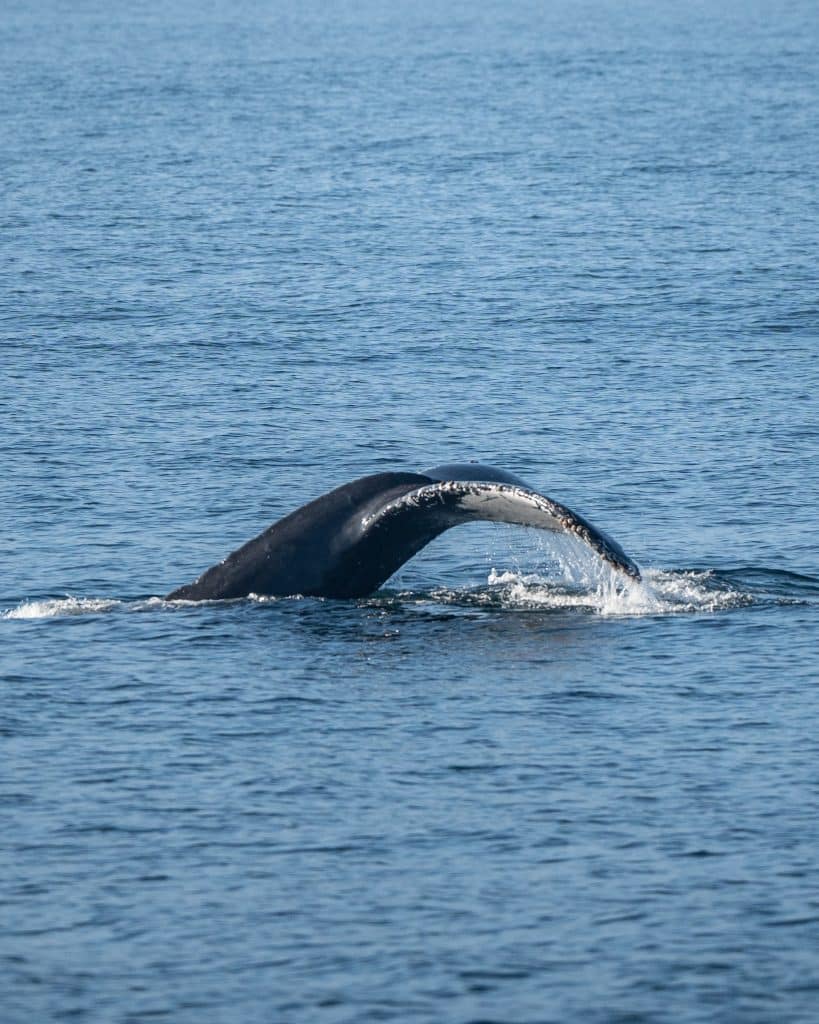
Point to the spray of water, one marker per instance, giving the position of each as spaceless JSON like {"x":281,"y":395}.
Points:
{"x":658,"y":593}
{"x":572,"y":576}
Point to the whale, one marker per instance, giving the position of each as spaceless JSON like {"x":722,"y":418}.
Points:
{"x":348,"y":542}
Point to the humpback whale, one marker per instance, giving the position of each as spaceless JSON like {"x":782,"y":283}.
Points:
{"x":348,"y":542}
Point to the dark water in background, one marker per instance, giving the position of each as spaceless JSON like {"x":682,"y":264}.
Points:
{"x":251,"y":251}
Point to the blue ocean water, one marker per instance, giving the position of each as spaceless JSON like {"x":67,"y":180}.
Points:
{"x":249,"y":252}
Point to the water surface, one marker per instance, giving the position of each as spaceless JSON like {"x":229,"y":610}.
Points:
{"x":251,"y":252}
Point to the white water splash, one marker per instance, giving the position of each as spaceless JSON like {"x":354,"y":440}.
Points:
{"x":658,"y":593}
{"x":55,"y":607}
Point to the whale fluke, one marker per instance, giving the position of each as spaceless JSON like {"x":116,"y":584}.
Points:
{"x":348,"y":542}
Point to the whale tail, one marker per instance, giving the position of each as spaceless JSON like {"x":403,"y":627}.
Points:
{"x":349,"y":542}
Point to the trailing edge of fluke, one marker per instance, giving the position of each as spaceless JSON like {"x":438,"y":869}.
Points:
{"x":348,"y":542}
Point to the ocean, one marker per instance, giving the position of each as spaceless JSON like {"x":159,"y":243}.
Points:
{"x":251,"y":251}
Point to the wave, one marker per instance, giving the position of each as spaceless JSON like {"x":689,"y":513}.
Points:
{"x":58,"y":607}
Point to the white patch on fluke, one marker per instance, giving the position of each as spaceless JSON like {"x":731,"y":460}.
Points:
{"x":509,"y":505}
